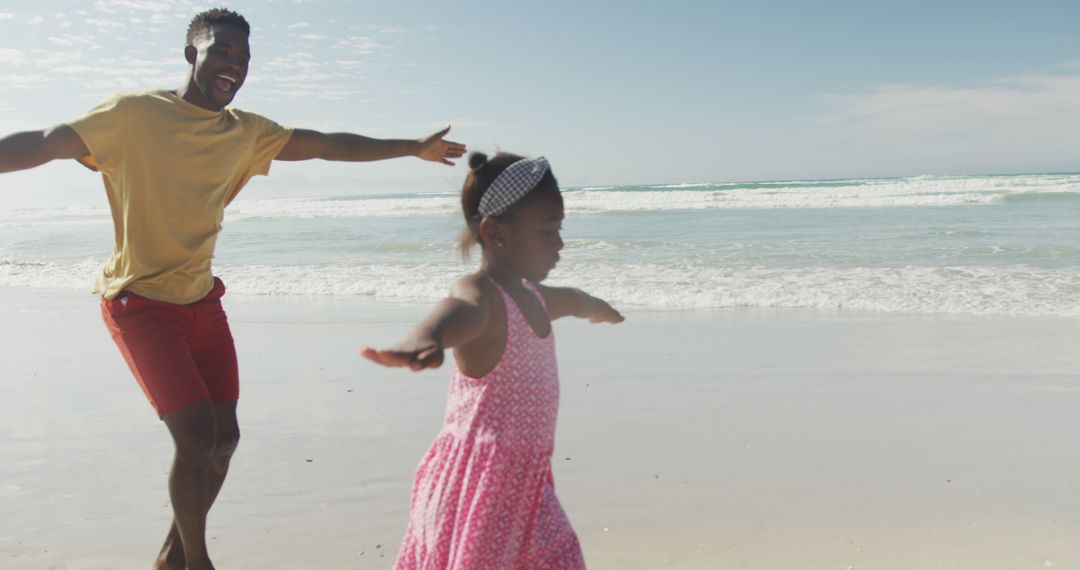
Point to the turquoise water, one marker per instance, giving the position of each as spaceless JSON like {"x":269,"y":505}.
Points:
{"x":974,"y":245}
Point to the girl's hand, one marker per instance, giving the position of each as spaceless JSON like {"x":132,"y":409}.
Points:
{"x":415,"y":355}
{"x":602,"y":312}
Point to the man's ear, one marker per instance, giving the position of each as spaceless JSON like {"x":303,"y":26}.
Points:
{"x":190,"y":54}
{"x":491,"y":233}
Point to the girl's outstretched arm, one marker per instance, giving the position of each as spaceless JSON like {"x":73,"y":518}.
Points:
{"x":570,"y":302}
{"x":456,"y":320}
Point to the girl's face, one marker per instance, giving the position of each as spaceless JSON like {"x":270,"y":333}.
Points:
{"x":531,"y":241}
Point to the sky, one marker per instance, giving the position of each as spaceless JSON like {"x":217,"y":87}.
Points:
{"x":612,"y":92}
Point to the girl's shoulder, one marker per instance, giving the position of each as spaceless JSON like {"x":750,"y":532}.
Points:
{"x":477,"y":357}
{"x":476,"y":287}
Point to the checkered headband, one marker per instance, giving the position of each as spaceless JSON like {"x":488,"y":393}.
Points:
{"x":512,"y":185}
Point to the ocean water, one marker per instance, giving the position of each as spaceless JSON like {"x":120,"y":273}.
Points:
{"x":967,"y":244}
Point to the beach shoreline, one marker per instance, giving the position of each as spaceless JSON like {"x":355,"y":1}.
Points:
{"x":749,"y":438}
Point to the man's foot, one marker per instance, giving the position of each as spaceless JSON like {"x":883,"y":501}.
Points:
{"x":171,"y":556}
{"x":166,"y":563}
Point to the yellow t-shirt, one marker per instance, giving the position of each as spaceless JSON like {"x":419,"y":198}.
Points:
{"x":170,"y":168}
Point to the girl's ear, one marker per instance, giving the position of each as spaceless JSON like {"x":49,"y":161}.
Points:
{"x":190,"y":52}
{"x":492,"y":233}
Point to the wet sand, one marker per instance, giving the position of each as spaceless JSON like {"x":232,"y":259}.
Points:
{"x":725,"y":439}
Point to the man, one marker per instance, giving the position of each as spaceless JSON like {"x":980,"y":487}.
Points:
{"x":171,"y":161}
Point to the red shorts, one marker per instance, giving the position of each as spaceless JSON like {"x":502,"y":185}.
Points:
{"x":180,"y":354}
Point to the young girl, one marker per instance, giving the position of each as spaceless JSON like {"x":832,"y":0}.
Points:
{"x":484,"y":497}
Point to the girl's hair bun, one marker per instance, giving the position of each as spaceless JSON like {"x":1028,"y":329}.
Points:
{"x":477,"y":159}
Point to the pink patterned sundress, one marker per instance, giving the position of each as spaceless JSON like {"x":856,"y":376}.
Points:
{"x":484,"y":497}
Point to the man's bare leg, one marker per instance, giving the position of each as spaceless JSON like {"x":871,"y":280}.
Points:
{"x":227,"y":433}
{"x":194,"y":431}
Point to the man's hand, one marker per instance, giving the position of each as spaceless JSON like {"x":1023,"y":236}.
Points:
{"x":435,"y":149}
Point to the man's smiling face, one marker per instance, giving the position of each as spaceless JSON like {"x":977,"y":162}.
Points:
{"x":220,"y":58}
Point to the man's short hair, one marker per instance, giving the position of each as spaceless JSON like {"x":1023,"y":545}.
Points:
{"x":203,"y":21}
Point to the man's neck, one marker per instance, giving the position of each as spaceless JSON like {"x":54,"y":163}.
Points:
{"x":190,"y":92}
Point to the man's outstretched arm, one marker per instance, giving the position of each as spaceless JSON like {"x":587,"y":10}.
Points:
{"x":28,"y":149}
{"x":306,"y":145}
